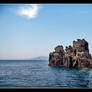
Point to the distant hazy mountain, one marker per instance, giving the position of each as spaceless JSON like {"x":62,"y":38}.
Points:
{"x":40,"y":58}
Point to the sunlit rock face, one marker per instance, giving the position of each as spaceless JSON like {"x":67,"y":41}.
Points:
{"x":76,"y":56}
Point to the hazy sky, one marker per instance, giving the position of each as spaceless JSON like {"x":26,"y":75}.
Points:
{"x":28,"y":31}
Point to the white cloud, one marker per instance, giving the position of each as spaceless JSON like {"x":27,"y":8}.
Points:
{"x":30,"y":11}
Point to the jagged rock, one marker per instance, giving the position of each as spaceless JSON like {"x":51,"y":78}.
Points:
{"x":59,"y":48}
{"x":80,"y":45}
{"x":56,"y":58}
{"x":76,"y":56}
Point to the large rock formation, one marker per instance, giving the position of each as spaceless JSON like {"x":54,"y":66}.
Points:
{"x":76,"y":56}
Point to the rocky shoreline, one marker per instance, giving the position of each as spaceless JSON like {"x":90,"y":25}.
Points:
{"x":76,"y":56}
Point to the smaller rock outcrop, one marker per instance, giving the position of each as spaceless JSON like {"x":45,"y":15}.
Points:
{"x":56,"y":58}
{"x":76,"y":56}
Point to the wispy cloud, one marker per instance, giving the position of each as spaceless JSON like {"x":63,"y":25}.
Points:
{"x":30,"y":11}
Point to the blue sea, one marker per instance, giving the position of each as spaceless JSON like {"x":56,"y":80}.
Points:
{"x":37,"y":74}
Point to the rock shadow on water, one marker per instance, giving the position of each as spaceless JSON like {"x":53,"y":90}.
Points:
{"x":70,"y":77}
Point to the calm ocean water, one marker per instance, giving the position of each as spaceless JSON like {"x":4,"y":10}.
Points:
{"x":37,"y":74}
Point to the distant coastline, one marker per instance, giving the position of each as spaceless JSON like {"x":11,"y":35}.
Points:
{"x":40,"y":58}
{"x":36,"y":58}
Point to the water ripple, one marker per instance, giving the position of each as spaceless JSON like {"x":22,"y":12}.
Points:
{"x":38,"y":74}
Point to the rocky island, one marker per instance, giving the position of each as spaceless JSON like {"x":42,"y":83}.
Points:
{"x":76,"y":56}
